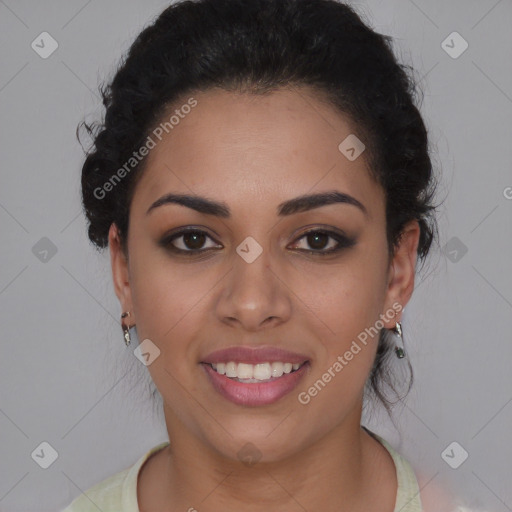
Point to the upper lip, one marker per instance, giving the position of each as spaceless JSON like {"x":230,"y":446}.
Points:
{"x":243,"y":354}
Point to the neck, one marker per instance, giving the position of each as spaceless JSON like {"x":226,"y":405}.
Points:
{"x":338,"y":471}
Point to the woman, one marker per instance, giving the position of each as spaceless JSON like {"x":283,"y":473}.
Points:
{"x":263,"y":183}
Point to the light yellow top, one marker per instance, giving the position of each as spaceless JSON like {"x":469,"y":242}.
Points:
{"x":118,"y":493}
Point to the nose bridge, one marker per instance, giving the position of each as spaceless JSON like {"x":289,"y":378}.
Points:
{"x":252,"y":278}
{"x":252,"y":293}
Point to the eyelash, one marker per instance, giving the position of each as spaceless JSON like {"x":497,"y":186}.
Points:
{"x":343,"y":242}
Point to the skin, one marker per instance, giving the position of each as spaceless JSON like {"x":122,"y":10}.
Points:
{"x":252,"y":153}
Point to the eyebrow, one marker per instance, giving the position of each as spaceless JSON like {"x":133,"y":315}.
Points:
{"x":289,"y":207}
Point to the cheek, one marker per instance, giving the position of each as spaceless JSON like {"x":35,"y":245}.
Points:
{"x":346,"y":298}
{"x":350,"y":315}
{"x":334,"y":391}
{"x":165,"y":296}
{"x":172,"y":308}
{"x":170,"y":312}
{"x":347,"y":303}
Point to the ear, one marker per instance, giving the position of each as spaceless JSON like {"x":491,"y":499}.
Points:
{"x":402,"y":271}
{"x":120,"y":272}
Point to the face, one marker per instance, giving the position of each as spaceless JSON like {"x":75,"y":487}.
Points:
{"x":261,"y":282}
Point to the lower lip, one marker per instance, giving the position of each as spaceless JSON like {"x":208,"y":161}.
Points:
{"x":256,"y":394}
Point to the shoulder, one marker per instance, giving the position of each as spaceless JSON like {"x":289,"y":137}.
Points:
{"x":435,"y":497}
{"x":116,"y":493}
{"x":416,"y":490}
{"x":105,"y":496}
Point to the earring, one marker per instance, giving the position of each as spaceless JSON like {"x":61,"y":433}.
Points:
{"x":126,"y":328}
{"x":399,"y":351}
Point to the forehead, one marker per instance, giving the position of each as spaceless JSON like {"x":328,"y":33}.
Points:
{"x":233,"y":146}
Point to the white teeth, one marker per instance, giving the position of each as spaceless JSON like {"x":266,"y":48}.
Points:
{"x":254,"y":372}
{"x":277,"y":369}
{"x":262,"y":371}
{"x":245,"y":371}
{"x":231,"y":369}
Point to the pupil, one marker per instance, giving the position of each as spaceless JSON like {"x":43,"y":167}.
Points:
{"x":315,"y":237}
{"x":195,"y":237}
{"x":196,"y":240}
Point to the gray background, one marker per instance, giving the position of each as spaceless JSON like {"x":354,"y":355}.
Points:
{"x":66,"y":377}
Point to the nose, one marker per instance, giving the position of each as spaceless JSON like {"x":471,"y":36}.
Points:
{"x":254,"y":296}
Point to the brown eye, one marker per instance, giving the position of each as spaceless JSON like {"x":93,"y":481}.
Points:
{"x":318,"y":242}
{"x":194,"y":240}
{"x":188,"y":241}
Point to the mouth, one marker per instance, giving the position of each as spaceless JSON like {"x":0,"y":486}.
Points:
{"x":254,"y":377}
{"x":255,"y":373}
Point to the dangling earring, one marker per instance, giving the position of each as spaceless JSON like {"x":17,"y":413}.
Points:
{"x":126,"y":328}
{"x":399,"y":351}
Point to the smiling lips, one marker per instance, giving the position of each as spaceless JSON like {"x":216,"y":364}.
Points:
{"x":244,"y":372}
{"x":254,"y":377}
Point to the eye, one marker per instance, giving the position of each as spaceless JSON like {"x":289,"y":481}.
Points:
{"x":187,"y":241}
{"x":191,"y":241}
{"x":318,"y":241}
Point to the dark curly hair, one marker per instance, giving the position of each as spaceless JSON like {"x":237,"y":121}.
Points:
{"x":258,"y":46}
